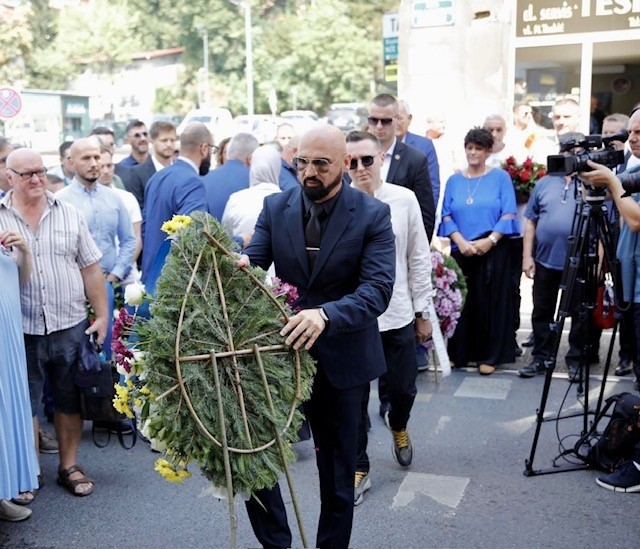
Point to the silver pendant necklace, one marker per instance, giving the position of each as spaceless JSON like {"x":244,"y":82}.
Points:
{"x":470,"y":194}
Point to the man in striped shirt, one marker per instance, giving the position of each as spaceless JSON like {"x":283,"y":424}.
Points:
{"x":66,"y":273}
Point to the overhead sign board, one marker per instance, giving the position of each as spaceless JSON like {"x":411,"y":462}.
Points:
{"x":390,"y":46}
{"x":544,"y":17}
{"x":431,"y":13}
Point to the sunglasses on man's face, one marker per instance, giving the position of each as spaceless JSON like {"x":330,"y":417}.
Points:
{"x":373,"y":121}
{"x":138,"y":135}
{"x":321,"y":165}
{"x":366,"y":162}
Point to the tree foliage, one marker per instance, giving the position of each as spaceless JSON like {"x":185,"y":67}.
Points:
{"x":16,"y":42}
{"x":311,"y":52}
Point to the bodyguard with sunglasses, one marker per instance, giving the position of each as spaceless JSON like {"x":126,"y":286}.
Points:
{"x":407,"y":319}
{"x":336,"y":245}
{"x":403,"y":165}
{"x":137,"y":136}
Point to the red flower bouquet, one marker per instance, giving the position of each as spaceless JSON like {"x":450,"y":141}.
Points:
{"x":524,"y":176}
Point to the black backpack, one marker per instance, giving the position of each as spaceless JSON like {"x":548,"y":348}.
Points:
{"x":617,"y":443}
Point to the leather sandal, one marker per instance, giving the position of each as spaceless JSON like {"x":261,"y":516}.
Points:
{"x":22,"y":501}
{"x":71,"y":484}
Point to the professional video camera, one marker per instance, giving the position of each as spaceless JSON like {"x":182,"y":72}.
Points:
{"x":607,"y":155}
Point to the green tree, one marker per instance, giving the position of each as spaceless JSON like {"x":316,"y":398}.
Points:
{"x":15,"y":44}
{"x":43,"y":23}
{"x":320,"y":55}
{"x":316,"y":52}
{"x":99,"y":37}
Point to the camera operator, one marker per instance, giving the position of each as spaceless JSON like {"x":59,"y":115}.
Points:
{"x":628,"y":250}
{"x":549,"y":222}
{"x":613,"y":125}
{"x":627,"y":477}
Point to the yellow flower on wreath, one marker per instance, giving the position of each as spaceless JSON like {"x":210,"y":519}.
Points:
{"x":169,"y":472}
{"x":121,"y":401}
{"x":176,"y":223}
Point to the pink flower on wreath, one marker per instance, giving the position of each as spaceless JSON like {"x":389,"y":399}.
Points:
{"x":287,"y":290}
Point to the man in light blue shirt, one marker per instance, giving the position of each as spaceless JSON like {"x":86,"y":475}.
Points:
{"x":106,"y":217}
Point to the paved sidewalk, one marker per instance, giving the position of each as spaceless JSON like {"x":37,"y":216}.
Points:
{"x":466,"y":487}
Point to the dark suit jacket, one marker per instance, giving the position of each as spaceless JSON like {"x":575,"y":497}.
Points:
{"x":176,"y":190}
{"x":410,"y":168}
{"x":352,"y":278}
{"x":425,"y":146}
{"x":123,"y":172}
{"x":137,"y":180}
{"x":221,"y":183}
{"x":288,"y":176}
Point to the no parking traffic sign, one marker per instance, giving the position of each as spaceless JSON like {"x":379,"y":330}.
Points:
{"x":10,"y":102}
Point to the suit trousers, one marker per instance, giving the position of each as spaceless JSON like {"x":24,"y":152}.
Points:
{"x":399,"y":382}
{"x":333,"y":415}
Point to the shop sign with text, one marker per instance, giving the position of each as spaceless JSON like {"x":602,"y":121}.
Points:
{"x":544,"y":17}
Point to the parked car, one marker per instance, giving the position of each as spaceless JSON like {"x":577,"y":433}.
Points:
{"x":263,"y":126}
{"x":219,"y":121}
{"x":118,"y":128}
{"x":175,"y":119}
{"x":300,"y":120}
{"x":347,"y":116}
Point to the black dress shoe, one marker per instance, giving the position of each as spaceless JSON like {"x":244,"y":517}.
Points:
{"x":519,"y":350}
{"x":625,"y":367}
{"x":529,"y":341}
{"x":532,"y":369}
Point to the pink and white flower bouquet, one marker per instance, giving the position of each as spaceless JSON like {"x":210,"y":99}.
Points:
{"x":450,"y":292}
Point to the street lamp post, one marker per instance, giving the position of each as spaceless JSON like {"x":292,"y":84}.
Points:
{"x":205,"y":63}
{"x":248,"y":52}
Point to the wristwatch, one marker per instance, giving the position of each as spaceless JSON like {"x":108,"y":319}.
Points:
{"x":493,"y":239}
{"x":424,"y":315}
{"x":323,"y":315}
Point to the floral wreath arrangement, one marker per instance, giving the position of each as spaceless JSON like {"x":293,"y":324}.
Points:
{"x":450,"y":288}
{"x":523,"y":176}
{"x":208,"y":372}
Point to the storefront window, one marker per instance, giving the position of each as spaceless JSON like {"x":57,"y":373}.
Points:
{"x":544,"y":74}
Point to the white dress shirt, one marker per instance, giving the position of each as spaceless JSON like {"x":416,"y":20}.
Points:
{"x":386,"y":163}
{"x":412,"y":290}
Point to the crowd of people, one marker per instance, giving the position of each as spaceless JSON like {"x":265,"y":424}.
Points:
{"x":349,"y":221}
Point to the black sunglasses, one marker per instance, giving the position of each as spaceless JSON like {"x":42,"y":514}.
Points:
{"x":373,"y":121}
{"x":366,"y":162}
{"x":138,"y":135}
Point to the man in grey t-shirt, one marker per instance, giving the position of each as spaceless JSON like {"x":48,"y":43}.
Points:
{"x":549,"y":219}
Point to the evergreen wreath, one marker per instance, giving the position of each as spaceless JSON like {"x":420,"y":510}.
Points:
{"x":204,"y":304}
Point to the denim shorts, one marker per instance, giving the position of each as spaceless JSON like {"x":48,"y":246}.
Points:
{"x":56,"y":353}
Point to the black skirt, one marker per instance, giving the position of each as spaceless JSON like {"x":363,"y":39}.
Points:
{"x":485,"y":331}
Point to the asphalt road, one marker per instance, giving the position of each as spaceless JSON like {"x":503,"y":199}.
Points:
{"x":465,"y":488}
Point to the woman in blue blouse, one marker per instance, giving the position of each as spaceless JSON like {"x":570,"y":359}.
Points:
{"x":478,"y":211}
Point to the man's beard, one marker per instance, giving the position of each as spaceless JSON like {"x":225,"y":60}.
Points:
{"x":319,"y":192}
{"x":90,"y":179}
{"x":204,"y":166}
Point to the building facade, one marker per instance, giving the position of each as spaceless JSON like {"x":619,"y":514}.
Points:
{"x":463,"y":60}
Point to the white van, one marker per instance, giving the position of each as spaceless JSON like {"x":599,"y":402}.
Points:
{"x":219,"y":121}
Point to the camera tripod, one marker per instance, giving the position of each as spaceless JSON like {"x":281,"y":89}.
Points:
{"x":578,"y":286}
